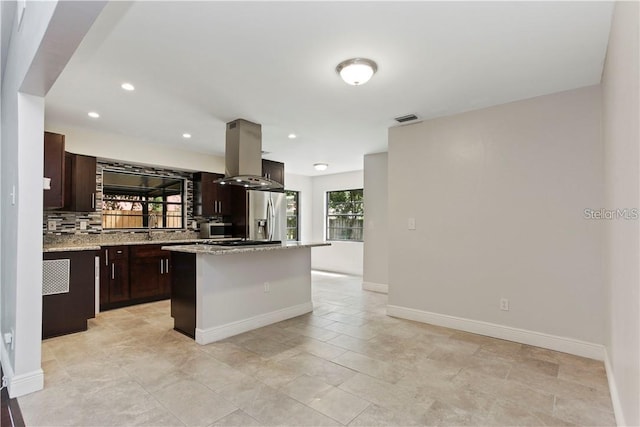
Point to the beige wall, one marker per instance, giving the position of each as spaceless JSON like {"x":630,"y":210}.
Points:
{"x":133,"y":150}
{"x":498,"y":196}
{"x":622,"y":177}
{"x":376,"y":235}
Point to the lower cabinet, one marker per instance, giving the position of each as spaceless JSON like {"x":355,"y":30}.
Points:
{"x":134,"y":274}
{"x":68,"y":292}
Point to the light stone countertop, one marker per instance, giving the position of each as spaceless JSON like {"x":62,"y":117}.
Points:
{"x":226,"y":250}
{"x":96,"y":245}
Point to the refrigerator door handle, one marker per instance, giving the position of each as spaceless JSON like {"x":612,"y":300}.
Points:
{"x":268,"y":224}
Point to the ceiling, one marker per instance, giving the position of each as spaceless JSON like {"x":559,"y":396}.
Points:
{"x":198,"y":65}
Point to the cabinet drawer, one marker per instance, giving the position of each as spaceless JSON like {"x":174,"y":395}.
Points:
{"x":146,"y":251}
{"x":117,"y":252}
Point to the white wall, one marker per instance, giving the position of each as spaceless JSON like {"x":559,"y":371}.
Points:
{"x":38,"y":50}
{"x":376,"y":233}
{"x":304,"y":185}
{"x":342,"y":257}
{"x":498,"y":196}
{"x":622,"y":186}
{"x":121,"y":147}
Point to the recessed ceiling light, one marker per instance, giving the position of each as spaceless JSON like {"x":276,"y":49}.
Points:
{"x":357,"y":71}
{"x":127,"y":86}
{"x":186,"y":135}
{"x":320,"y":166}
{"x":292,"y":136}
{"x":93,"y":114}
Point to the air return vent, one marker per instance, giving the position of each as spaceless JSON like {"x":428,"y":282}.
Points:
{"x":406,"y":118}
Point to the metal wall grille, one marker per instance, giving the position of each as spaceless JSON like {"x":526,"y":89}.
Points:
{"x":55,"y":276}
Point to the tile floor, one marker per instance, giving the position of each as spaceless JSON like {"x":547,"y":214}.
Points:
{"x":347,"y":363}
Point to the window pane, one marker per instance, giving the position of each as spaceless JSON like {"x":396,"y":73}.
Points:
{"x":345,"y":218}
{"x":292,"y":214}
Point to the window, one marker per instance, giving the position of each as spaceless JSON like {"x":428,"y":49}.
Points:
{"x":142,"y":201}
{"x":292,"y":214}
{"x":345,"y":215}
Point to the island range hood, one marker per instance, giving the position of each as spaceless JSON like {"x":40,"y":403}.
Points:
{"x":243,"y":157}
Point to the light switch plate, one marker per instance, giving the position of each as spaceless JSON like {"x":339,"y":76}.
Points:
{"x":411,"y":223}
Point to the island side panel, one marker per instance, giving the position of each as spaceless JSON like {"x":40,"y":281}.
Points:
{"x":233,"y":297}
{"x":183,"y":293}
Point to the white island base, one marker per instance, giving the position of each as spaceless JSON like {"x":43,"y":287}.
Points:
{"x":238,"y":290}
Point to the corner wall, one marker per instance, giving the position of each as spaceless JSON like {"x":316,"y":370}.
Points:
{"x":499,"y":212}
{"x":340,"y":257}
{"x":376,"y":228}
{"x":621,"y":132}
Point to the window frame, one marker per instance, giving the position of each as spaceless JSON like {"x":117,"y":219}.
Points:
{"x":327,"y":216}
{"x":296,"y":216}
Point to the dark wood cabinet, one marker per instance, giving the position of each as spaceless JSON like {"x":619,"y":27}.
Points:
{"x":134,"y":274}
{"x":273,"y":170}
{"x":65,"y":310}
{"x":54,"y":168}
{"x":114,"y":276}
{"x":80,"y":183}
{"x":210,"y":199}
{"x":183,"y":293}
{"x":149,"y":269}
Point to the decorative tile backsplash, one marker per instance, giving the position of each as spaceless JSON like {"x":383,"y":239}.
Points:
{"x":71,"y":222}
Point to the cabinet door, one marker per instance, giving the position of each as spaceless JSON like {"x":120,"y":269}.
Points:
{"x":210,"y":199}
{"x":54,"y":169}
{"x":81,"y":182}
{"x":273,"y":170}
{"x":117,"y":273}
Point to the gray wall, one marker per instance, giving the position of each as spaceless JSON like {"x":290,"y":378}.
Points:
{"x":498,"y":208}
{"x":376,"y":235}
{"x":622,"y":177}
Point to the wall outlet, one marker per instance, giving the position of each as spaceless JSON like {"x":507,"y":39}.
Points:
{"x":83,"y":225}
{"x":504,"y":304}
{"x":51,"y":225}
{"x":267,"y":287}
{"x":411,"y":223}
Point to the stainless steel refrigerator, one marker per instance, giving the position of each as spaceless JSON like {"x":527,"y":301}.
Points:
{"x":266,"y":215}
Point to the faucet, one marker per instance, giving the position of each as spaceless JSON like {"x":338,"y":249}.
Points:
{"x":152,"y":222}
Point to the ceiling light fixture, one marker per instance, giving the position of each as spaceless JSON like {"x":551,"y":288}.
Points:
{"x":93,"y":114}
{"x":356,"y":71}
{"x":127,"y":86}
{"x":186,"y":135}
{"x":292,"y":136}
{"x":320,"y":166}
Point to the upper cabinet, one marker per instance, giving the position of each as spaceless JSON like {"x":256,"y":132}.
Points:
{"x":210,"y":199}
{"x":273,"y":170}
{"x":53,"y":198}
{"x":80,"y":183}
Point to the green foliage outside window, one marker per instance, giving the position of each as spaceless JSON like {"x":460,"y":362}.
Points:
{"x":345,"y":215}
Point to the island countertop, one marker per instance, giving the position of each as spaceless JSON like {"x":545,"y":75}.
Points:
{"x":210,"y":249}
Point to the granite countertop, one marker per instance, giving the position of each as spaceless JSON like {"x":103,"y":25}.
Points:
{"x":226,"y":250}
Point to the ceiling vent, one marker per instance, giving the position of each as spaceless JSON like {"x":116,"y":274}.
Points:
{"x":406,"y":118}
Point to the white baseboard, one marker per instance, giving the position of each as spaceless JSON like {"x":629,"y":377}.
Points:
{"x":375,"y":287}
{"x":209,"y":335}
{"x":613,"y":390}
{"x":19,"y":385}
{"x":538,"y":339}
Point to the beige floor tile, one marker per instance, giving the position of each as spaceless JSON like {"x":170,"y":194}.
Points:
{"x":367,"y":365}
{"x":238,"y":418}
{"x":329,"y":372}
{"x":485,"y":365}
{"x":539,"y":366}
{"x":375,"y":415}
{"x":193,"y":403}
{"x":505,"y":413}
{"x":442,"y":414}
{"x":339,"y":405}
{"x":305,"y":388}
{"x":590,"y":376}
{"x":311,"y":331}
{"x":318,"y":348}
{"x":364,"y":332}
{"x":54,"y":373}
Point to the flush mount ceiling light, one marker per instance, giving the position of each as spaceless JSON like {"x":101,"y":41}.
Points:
{"x":93,"y":114}
{"x":292,"y":136}
{"x":127,"y":86}
{"x":356,"y":71}
{"x":186,"y":135}
{"x":320,"y":166}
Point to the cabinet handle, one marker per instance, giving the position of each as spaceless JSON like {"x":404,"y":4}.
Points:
{"x":220,"y":207}
{"x":166,"y":270}
{"x":161,"y":267}
{"x":106,"y":257}
{"x":93,"y":200}
{"x":113,"y":272}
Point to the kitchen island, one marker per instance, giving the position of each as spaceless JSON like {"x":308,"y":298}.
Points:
{"x":219,"y":291}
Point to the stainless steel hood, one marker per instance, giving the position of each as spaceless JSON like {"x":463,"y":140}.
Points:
{"x":243,"y":157}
